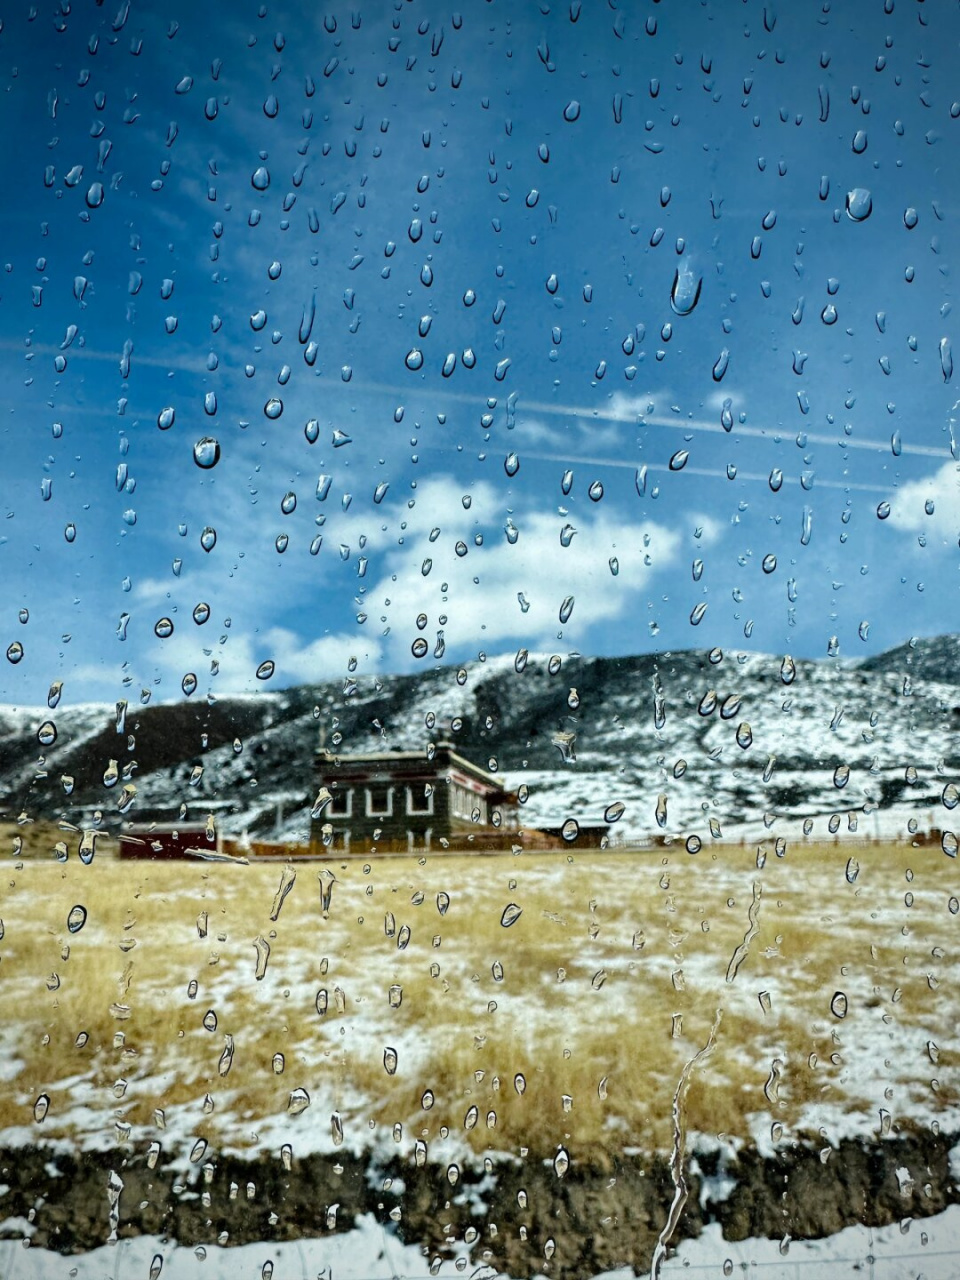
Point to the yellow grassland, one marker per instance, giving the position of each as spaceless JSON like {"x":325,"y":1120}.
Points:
{"x":612,"y":976}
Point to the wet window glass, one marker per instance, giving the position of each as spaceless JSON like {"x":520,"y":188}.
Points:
{"x":480,"y":699}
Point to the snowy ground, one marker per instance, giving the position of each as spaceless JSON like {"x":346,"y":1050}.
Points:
{"x":603,"y":940}
{"x":900,"y":1252}
{"x":605,"y":943}
{"x":930,"y":1249}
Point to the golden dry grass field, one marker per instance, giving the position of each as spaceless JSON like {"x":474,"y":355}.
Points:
{"x":569,"y":1026}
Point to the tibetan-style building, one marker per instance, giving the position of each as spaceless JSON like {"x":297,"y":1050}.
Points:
{"x":408,"y":800}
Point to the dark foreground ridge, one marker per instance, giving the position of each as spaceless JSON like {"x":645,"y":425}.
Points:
{"x":521,"y":1219}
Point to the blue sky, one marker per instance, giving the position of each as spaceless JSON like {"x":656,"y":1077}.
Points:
{"x":484,"y":213}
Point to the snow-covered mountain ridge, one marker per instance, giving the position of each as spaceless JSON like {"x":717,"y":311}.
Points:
{"x":733,"y":738}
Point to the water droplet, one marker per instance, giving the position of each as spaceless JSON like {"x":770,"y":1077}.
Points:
{"x":390,"y":1061}
{"x":70,"y":532}
{"x":951,"y":796}
{"x":571,"y":111}
{"x":769,"y":563}
{"x":15,"y":652}
{"x":260,"y":179}
{"x":883,"y":510}
{"x":419,"y":648}
{"x":697,"y":612}
{"x":210,"y":1020}
{"x":685,"y":292}
{"x":163,"y":628}
{"x":730,"y":706}
{"x":40,"y":1108}
{"x":266,"y":669}
{"x":841,"y":775}
{"x":511,"y":914}
{"x":561,"y":1162}
{"x":708,"y":703}
{"x":720,"y":368}
{"x":859,"y":204}
{"x":946,"y":359}
{"x":859,"y":143}
{"x":298,"y":1102}
{"x":570,"y":830}
{"x":414,"y":359}
{"x":838,"y":1005}
{"x":273,"y":408}
{"x":566,"y":608}
{"x":852,"y":870}
{"x":47,"y":734}
{"x":166,"y":418}
{"x":694,"y":844}
{"x":206,"y":452}
{"x":680,"y":459}
{"x":511,"y":464}
{"x":77,"y":918}
{"x":744,"y":736}
{"x":949,"y":843}
{"x":208,"y":538}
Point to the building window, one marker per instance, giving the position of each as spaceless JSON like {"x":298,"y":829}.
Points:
{"x":420,"y":799}
{"x":379,"y":802}
{"x":341,"y":806}
{"x":461,"y":801}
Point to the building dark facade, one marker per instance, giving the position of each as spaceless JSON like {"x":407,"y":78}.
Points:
{"x":408,"y":800}
{"x":170,"y":840}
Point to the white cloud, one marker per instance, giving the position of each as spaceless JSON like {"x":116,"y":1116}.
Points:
{"x":535,"y":431}
{"x":909,"y":505}
{"x":478,"y":592}
{"x":296,"y":661}
{"x":711,"y":531}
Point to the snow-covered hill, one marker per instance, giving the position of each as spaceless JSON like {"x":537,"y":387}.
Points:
{"x":735,"y":743}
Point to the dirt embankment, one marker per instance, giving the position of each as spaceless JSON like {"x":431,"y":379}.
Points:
{"x":526,"y":1219}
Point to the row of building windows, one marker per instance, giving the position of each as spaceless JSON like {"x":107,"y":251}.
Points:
{"x":341,"y":839}
{"x":378,"y":801}
{"x":382,"y":801}
{"x":465,"y":803}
